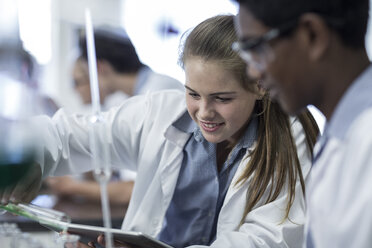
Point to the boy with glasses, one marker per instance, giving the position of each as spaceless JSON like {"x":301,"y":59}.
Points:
{"x":321,"y":60}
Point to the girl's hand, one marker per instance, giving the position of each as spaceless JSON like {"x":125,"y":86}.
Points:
{"x":82,"y":245}
{"x":117,"y":244}
{"x":89,"y":245}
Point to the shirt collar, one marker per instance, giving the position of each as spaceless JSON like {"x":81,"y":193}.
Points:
{"x":355,"y":100}
{"x":250,"y":134}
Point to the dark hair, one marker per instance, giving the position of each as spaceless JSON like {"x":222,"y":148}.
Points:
{"x":348,"y":18}
{"x":274,"y":165}
{"x":115,"y":48}
{"x":14,"y":58}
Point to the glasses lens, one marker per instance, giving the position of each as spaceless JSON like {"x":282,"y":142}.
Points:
{"x":257,"y":58}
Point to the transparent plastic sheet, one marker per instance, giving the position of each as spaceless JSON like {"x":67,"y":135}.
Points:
{"x":43,"y":216}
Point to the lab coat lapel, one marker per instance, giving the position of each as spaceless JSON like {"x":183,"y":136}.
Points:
{"x":235,"y":188}
{"x":234,"y":203}
{"x":171,"y":164}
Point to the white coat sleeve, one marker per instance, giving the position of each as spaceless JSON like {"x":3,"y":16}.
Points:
{"x":264,"y":226}
{"x":65,"y":140}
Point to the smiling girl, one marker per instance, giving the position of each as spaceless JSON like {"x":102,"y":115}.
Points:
{"x":220,"y":166}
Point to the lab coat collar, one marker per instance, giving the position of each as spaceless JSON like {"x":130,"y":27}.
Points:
{"x":174,"y":132}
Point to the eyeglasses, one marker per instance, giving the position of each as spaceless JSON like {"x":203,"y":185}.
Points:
{"x":256,"y":52}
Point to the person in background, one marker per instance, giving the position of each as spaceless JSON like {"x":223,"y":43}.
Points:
{"x":30,"y":73}
{"x":121,"y":75}
{"x":313,"y":52}
{"x":20,"y":64}
{"x":80,"y":73}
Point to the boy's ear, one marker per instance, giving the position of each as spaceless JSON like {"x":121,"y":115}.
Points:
{"x":315,"y":34}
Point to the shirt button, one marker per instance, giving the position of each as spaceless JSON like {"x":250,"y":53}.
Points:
{"x":210,"y":214}
{"x":204,"y":239}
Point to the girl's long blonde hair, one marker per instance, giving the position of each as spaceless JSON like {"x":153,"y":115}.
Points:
{"x":273,"y":164}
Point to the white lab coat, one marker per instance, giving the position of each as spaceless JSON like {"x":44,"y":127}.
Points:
{"x":142,"y":138}
{"x":339,"y":189}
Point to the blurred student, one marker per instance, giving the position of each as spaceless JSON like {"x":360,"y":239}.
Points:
{"x":23,"y":67}
{"x":120,"y":74}
{"x":313,"y":52}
